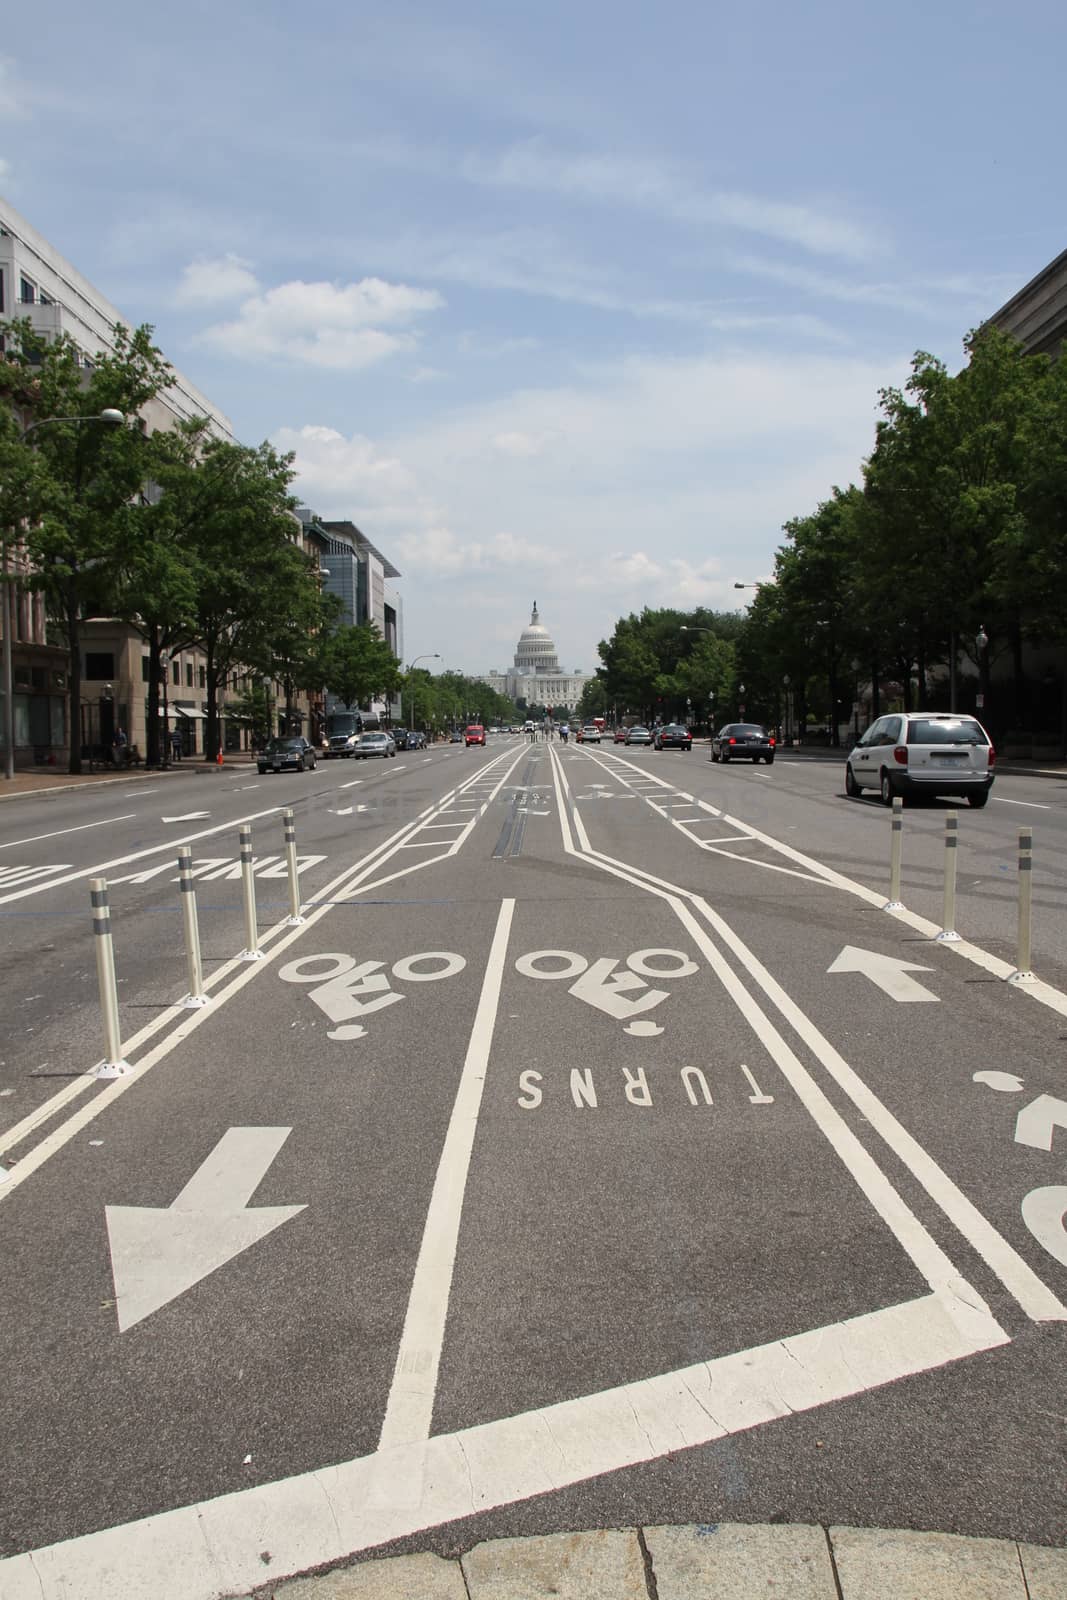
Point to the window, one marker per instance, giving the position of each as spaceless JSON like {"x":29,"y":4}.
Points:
{"x":27,"y":292}
{"x":99,"y":664}
{"x":176,"y":672}
{"x":188,"y":674}
{"x":144,"y":669}
{"x":203,"y":677}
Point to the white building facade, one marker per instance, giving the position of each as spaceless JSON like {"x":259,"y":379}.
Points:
{"x":536,"y":676}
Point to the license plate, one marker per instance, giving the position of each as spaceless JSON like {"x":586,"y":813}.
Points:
{"x":949,"y":760}
{"x":276,"y":766}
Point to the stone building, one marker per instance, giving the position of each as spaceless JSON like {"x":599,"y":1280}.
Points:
{"x":535,"y":675}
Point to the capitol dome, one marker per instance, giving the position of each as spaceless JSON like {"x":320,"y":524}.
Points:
{"x":535,"y":651}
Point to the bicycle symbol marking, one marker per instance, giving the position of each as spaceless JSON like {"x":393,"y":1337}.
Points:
{"x":346,"y":988}
{"x":621,"y":993}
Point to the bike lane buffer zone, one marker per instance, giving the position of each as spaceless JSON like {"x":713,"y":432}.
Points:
{"x":648,"y":1191}
{"x":241,"y":1224}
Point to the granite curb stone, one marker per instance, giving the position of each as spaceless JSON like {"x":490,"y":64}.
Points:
{"x":734,"y":1561}
{"x":724,"y":1561}
{"x":565,"y":1566}
{"x":888,"y":1564}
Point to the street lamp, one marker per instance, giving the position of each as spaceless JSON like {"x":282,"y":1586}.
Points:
{"x":741,"y":700}
{"x":431,"y":655}
{"x":110,"y":418}
{"x":786,"y":685}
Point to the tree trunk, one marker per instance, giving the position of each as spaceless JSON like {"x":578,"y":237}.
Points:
{"x":75,"y":679}
{"x":152,"y":730}
{"x":211,"y":733}
{"x":876,"y":693}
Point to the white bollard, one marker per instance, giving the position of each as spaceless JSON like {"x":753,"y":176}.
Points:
{"x":295,"y":919}
{"x":948,"y":934}
{"x":251,"y":951}
{"x":196,"y":998}
{"x":113,"y":1065}
{"x":1023,"y":973}
{"x":894,"y":903}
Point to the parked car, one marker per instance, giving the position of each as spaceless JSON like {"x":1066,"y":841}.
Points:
{"x":638,"y":735}
{"x":474,"y":734}
{"x":742,"y":741}
{"x":375,"y":744}
{"x":923,"y":752}
{"x":673,"y":737}
{"x":620,"y":735}
{"x":279,"y":753}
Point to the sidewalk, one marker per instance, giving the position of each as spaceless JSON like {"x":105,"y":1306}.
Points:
{"x":53,"y":781}
{"x":705,"y":1561}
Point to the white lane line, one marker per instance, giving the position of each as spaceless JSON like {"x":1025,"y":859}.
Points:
{"x":61,"y":832}
{"x":104,"y":867}
{"x":1034,"y":805}
{"x":409,"y":1410}
{"x":353,"y":785}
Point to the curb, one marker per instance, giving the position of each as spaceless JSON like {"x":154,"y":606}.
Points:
{"x":704,"y":1561}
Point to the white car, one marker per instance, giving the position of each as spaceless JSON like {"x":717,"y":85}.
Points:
{"x":923,"y":752}
{"x":374,"y":744}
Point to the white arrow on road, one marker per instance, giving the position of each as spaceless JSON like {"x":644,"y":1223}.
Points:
{"x":1036,"y":1122}
{"x":888,"y":972}
{"x":190,"y":816}
{"x":156,"y":1254}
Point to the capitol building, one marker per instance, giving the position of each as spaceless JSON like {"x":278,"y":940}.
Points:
{"x":536,"y":676}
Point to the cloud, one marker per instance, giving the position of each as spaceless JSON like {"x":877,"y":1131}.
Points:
{"x":343,"y":327}
{"x":214,"y":281}
{"x":13,"y":101}
{"x":520,"y":444}
{"x":640,"y":184}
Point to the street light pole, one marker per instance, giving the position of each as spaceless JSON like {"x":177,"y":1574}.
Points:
{"x":431,"y":655}
{"x":110,"y":418}
{"x":164,"y":667}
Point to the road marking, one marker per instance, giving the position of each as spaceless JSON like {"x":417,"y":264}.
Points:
{"x":1032,"y":1294}
{"x":104,"y":867}
{"x":409,"y":1410}
{"x":1034,"y":805}
{"x":190,"y":816}
{"x":11,"y":875}
{"x":888,"y":972}
{"x":159,"y":1253}
{"x":1037,"y":1122}
{"x":60,"y":832}
{"x":353,"y":785}
{"x":348,"y":885}
{"x":757,"y":1097}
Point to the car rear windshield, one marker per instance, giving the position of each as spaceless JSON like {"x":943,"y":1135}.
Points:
{"x":748,"y":727}
{"x":934,"y":731}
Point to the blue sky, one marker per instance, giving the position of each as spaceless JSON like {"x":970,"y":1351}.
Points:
{"x":577,"y":301}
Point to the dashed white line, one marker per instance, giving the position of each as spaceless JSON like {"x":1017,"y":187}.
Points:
{"x":60,"y":832}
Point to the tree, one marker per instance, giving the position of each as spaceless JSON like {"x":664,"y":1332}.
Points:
{"x":358,"y":665}
{"x":79,"y":492}
{"x":250,"y":577}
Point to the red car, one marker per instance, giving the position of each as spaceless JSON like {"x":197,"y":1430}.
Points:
{"x":475,"y":734}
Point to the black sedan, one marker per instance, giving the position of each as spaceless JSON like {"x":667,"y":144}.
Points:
{"x":279,"y":753}
{"x":742,"y":741}
{"x":673,"y":737}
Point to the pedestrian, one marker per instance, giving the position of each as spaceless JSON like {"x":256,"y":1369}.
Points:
{"x":176,"y":745}
{"x":118,"y":747}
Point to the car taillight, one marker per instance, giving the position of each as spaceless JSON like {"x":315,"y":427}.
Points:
{"x":771,"y":743}
{"x":733,"y":741}
{"x":900,"y":755}
{"x":992,"y":756}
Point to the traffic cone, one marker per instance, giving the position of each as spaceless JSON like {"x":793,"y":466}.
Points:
{"x":218,"y":758}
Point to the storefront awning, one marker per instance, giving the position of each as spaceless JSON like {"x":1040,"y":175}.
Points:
{"x":190,"y":712}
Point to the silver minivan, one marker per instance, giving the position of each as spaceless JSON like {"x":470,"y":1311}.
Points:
{"x":923,"y":752}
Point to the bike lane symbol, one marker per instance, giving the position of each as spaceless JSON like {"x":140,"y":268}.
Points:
{"x":347,"y":988}
{"x":621,"y":993}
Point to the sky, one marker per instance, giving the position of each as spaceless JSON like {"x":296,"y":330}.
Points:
{"x":578,"y":301}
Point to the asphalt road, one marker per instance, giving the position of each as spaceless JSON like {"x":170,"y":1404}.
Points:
{"x":598,"y":1150}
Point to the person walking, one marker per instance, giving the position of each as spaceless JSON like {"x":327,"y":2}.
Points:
{"x":176,"y":745}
